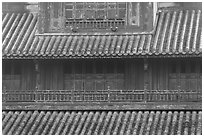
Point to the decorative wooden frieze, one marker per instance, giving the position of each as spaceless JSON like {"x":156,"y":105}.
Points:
{"x":96,"y":16}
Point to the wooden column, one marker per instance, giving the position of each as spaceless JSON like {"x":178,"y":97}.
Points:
{"x":37,"y":75}
{"x":146,"y":78}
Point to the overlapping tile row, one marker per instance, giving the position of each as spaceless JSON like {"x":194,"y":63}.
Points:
{"x":92,"y":45}
{"x":102,"y":122}
{"x":178,"y":32}
{"x":19,"y":40}
{"x":18,"y":33}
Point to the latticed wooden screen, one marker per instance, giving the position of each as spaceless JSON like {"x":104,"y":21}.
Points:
{"x":96,"y":16}
{"x":99,"y":15}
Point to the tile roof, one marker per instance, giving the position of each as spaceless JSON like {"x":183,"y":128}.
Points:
{"x":102,"y":122}
{"x":178,"y":32}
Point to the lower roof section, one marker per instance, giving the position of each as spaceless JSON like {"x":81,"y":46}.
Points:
{"x":102,"y":122}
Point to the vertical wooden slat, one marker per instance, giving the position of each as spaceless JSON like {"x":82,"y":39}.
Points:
{"x":28,"y":75}
{"x":60,"y":77}
{"x":126,"y":75}
{"x":153,"y":72}
{"x":163,"y":74}
{"x":136,"y":74}
{"x":41,"y":77}
{"x":151,"y":87}
{"x":166,"y":73}
{"x":140,"y":77}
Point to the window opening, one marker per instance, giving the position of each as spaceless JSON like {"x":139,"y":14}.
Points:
{"x":98,"y":15}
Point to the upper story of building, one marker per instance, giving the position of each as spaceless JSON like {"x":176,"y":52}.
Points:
{"x":96,"y":17}
{"x":79,"y":17}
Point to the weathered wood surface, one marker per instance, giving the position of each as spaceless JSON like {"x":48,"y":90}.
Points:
{"x":159,"y":76}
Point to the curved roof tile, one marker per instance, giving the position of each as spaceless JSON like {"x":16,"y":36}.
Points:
{"x":102,"y":122}
{"x":178,"y":32}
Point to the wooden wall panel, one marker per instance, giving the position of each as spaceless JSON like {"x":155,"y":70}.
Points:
{"x":28,"y":76}
{"x":161,"y":74}
{"x":51,"y":75}
{"x":11,"y":82}
{"x":158,"y":74}
{"x":127,"y":74}
{"x":140,"y":74}
{"x":162,"y":77}
{"x":186,"y":75}
{"x":199,"y":70}
{"x":153,"y":75}
{"x":100,"y":82}
{"x":21,"y":77}
{"x":134,"y":74}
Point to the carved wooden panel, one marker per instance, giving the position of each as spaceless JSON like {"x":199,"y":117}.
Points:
{"x":95,"y":16}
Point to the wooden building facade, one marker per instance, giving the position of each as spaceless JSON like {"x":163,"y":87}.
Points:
{"x":101,"y":68}
{"x":103,"y":74}
{"x":119,"y":47}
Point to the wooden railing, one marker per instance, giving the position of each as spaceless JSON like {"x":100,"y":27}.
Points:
{"x":102,"y":96}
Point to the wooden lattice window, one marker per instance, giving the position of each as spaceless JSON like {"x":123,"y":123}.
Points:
{"x":98,"y":15}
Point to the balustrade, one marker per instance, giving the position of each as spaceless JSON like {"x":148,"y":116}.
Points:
{"x":101,"y":96}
